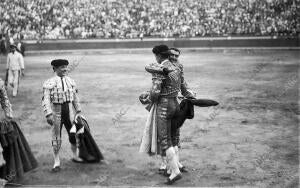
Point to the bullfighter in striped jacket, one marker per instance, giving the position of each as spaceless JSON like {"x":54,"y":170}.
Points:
{"x":61,"y":107}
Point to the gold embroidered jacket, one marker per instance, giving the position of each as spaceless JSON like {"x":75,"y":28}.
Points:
{"x":5,"y":104}
{"x":58,"y":90}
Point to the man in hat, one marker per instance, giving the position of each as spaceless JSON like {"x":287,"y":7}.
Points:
{"x":174,"y":55}
{"x":61,"y":106}
{"x":164,"y":93}
{"x":14,"y":67}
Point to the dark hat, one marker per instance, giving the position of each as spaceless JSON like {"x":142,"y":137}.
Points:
{"x":13,"y":46}
{"x":59,"y":62}
{"x":161,"y":49}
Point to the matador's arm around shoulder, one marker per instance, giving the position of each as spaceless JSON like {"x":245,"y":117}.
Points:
{"x":156,"y":68}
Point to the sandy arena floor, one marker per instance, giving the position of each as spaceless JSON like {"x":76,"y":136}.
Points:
{"x":250,"y":139}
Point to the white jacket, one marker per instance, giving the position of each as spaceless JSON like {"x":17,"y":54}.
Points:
{"x":15,"y":61}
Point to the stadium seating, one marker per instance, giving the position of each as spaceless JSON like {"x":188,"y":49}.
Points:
{"x":73,"y":19}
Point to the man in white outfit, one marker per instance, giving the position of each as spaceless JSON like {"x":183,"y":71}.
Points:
{"x":14,"y":67}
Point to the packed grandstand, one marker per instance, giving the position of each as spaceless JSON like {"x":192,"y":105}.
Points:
{"x":73,"y":19}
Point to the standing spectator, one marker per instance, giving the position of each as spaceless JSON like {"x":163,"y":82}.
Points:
{"x":21,"y":46}
{"x":141,"y":35}
{"x":2,"y":45}
{"x":14,"y":67}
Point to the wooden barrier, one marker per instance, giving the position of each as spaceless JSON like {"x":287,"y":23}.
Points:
{"x":215,"y":42}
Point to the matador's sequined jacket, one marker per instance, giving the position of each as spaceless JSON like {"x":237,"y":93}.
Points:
{"x":58,"y":90}
{"x":5,"y":104}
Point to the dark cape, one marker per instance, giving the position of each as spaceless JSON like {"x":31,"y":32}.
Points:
{"x":88,"y":149}
{"x":16,"y":152}
{"x":186,"y":110}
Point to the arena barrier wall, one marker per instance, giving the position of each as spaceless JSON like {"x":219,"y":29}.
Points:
{"x":217,"y":42}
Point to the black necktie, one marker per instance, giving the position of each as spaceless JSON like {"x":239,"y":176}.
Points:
{"x":62,"y":83}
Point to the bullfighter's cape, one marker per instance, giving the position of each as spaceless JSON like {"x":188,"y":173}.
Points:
{"x":149,"y":138}
{"x":88,"y":149}
{"x":186,"y":111}
{"x":16,"y":152}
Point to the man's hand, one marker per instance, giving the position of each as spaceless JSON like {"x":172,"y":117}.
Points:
{"x":2,"y":182}
{"x":144,"y":98}
{"x":8,"y":117}
{"x":50,"y":119}
{"x":23,"y":72}
{"x":78,"y":114}
{"x":191,"y":94}
{"x":2,"y":161}
{"x":144,"y":95}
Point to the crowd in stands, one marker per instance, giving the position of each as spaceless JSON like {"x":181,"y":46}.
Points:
{"x":68,"y":19}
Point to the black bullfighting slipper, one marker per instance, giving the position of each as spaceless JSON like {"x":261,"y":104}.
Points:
{"x":183,"y":169}
{"x":171,"y":181}
{"x":55,"y":169}
{"x":161,"y":170}
{"x":77,"y":161}
{"x":166,"y":174}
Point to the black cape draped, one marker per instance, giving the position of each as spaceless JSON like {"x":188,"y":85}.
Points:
{"x":16,"y":152}
{"x":88,"y":149}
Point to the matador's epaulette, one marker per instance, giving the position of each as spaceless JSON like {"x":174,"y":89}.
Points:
{"x":158,"y":69}
{"x":155,"y":68}
{"x":49,"y":84}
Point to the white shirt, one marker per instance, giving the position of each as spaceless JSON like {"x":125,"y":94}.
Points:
{"x":15,"y":61}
